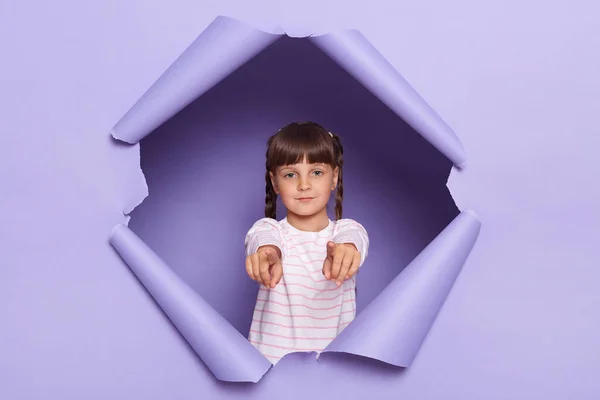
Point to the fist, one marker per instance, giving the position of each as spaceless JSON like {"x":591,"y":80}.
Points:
{"x":342,"y":262}
{"x":264,"y":266}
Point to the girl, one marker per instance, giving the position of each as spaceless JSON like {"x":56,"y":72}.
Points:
{"x":306,"y":263}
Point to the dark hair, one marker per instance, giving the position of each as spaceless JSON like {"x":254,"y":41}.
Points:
{"x":291,"y":144}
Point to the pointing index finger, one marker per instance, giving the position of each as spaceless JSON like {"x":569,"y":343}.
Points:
{"x":330,"y":249}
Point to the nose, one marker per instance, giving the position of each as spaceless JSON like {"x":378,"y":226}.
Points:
{"x":303,"y":184}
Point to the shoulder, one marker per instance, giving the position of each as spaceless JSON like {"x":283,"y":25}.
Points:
{"x":347,"y":223}
{"x":267,"y":224}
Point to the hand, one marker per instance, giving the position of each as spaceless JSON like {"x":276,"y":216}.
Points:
{"x":264,"y":266}
{"x":342,"y":261}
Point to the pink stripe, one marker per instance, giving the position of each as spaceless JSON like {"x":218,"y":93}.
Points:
{"x":306,"y":276}
{"x":304,"y":316}
{"x":307,"y":242}
{"x":270,"y":356}
{"x":303,"y":262}
{"x":260,"y":321}
{"x":304,"y":305}
{"x":306,"y":267}
{"x":308,"y":287}
{"x":283,"y":347}
{"x":263,"y":289}
{"x":290,"y":337}
{"x":322,"y":252}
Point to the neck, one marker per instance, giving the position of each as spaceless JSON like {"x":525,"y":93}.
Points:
{"x":309,"y":223}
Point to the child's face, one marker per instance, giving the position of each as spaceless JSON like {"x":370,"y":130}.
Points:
{"x":304,"y":188}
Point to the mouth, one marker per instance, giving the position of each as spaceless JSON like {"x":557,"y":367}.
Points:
{"x":304,"y":198}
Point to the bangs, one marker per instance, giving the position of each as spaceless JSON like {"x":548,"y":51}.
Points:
{"x":299,"y":141}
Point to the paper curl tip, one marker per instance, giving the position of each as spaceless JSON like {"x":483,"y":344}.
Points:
{"x":113,"y":133}
{"x":116,"y":228}
{"x":472,"y":214}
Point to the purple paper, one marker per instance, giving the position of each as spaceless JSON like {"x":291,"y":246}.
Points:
{"x":517,"y":81}
{"x":422,"y":295}
{"x":227,"y":44}
{"x":219,"y":50}
{"x":228,"y":354}
{"x":354,"y":53}
{"x":395,"y":324}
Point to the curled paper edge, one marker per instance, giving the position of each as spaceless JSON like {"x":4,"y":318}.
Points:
{"x":392,"y":328}
{"x":224,"y":46}
{"x":352,"y":51}
{"x":233,"y":43}
{"x":228,"y":354}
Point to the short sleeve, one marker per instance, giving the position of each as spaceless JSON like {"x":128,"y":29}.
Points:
{"x":265,"y":231}
{"x":349,"y":231}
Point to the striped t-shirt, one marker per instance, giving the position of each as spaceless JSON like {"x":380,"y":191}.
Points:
{"x":305,"y":311}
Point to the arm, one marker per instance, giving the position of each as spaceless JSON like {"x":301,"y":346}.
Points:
{"x":350,"y":231}
{"x":265,"y":232}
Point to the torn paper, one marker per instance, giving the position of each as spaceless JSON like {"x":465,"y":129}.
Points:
{"x":394,"y":325}
{"x":222,"y":348}
{"x":225,"y":45}
{"x":220,"y":50}
{"x":353,"y":52}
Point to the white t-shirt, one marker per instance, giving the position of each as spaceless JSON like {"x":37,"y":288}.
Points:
{"x":305,"y":311}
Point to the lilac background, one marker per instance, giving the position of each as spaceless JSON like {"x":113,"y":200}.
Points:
{"x":205,"y":173}
{"x":518,"y":83}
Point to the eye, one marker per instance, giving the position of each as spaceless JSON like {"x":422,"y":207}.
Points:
{"x":288,"y":175}
{"x":318,"y":172}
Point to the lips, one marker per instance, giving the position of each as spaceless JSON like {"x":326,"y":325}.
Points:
{"x":305,"y":198}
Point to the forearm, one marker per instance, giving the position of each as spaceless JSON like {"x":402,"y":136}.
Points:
{"x":353,"y":233}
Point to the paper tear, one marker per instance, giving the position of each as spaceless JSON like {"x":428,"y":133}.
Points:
{"x":201,"y":66}
{"x":134,"y":199}
{"x":207,"y":331}
{"x":394,"y":325}
{"x":228,"y":354}
{"x":391,"y":329}
{"x":204,"y":64}
{"x":353,"y":52}
{"x":136,"y":202}
{"x":114,"y":134}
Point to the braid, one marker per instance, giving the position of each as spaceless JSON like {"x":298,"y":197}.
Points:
{"x":270,"y":198}
{"x":339,"y":160}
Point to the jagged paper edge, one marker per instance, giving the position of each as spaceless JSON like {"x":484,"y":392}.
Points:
{"x":348,"y":48}
{"x":190,"y":76}
{"x":228,"y":354}
{"x":394,"y":325}
{"x":354,"y":53}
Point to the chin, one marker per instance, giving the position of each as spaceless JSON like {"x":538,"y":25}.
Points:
{"x":305,"y":212}
{"x":301,"y":213}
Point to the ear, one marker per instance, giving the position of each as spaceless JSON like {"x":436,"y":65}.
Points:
{"x":273,"y":182}
{"x":335,"y":178}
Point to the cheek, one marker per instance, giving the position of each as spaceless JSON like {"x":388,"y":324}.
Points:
{"x":325,"y":185}
{"x":285,"y":188}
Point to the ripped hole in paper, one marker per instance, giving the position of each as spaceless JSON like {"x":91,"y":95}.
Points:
{"x":205,"y":172}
